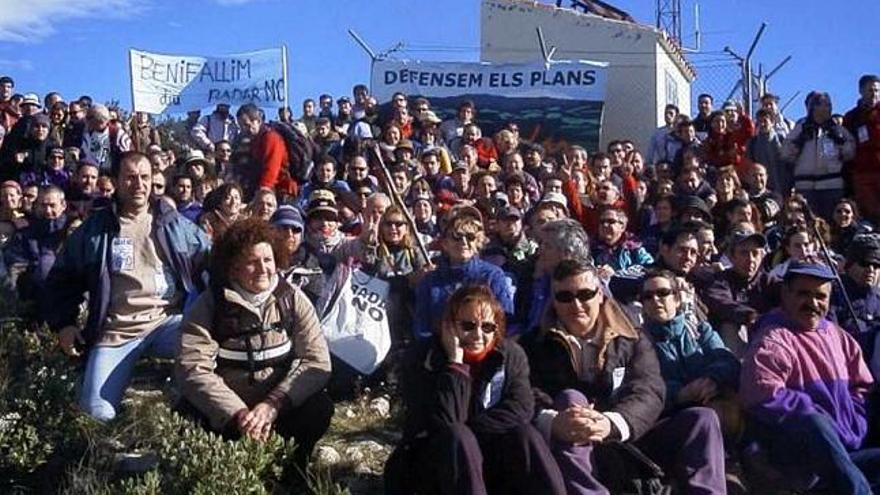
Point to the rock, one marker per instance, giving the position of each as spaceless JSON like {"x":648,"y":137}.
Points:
{"x":353,"y":454}
{"x":380,"y":407}
{"x":349,"y":413}
{"x":363,"y":469}
{"x":327,"y":456}
{"x":132,"y":462}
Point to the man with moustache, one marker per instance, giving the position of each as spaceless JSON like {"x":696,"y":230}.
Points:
{"x":804,"y":384}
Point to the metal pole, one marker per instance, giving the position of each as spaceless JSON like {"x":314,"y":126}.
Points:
{"x":285,"y":74}
{"x":787,"y":103}
{"x":755,"y":41}
{"x":545,"y":54}
{"x":778,"y":66}
{"x":360,"y":41}
{"x":396,"y":199}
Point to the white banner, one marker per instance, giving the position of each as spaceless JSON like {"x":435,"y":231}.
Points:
{"x":581,"y":80}
{"x":180,"y":83}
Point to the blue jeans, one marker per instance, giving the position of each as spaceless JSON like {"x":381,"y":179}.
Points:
{"x":806,"y":445}
{"x":109,"y":369}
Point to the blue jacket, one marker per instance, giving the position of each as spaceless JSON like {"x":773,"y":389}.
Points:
{"x":84,"y":265}
{"x":625,"y":255}
{"x":437,"y":286}
{"x":688,"y":351}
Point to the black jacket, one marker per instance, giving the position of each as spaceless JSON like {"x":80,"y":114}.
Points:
{"x":437,"y":393}
{"x":640,"y":392}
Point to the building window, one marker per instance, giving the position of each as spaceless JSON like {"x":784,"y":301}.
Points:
{"x":671,"y":89}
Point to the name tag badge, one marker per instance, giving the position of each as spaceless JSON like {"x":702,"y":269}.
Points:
{"x":863,"y":134}
{"x":828,"y":148}
{"x":122,"y":254}
{"x":617,"y":378}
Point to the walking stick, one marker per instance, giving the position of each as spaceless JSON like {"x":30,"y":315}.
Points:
{"x":811,"y":219}
{"x":396,"y":199}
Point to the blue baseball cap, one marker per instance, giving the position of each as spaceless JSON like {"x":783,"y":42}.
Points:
{"x":811,"y":269}
{"x":287,"y":216}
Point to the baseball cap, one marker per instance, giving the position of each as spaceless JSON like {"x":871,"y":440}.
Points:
{"x":287,"y":216}
{"x":322,"y":200}
{"x":509,"y":212}
{"x":811,"y":269}
{"x":555,"y":198}
{"x":743,"y":233}
{"x":695,"y":202}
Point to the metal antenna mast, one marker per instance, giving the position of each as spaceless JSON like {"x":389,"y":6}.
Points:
{"x":669,"y":19}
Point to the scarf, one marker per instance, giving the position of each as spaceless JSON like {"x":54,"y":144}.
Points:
{"x":257,"y":300}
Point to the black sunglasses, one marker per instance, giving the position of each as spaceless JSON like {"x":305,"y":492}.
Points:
{"x":583,"y":295}
{"x":470,"y":326}
{"x":461,"y":237}
{"x":393,"y":223}
{"x":661,"y":293}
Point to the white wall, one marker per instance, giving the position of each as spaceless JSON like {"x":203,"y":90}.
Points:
{"x":666,"y":67}
{"x":631,"y":105}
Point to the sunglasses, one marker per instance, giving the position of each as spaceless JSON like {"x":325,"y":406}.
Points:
{"x":651,"y":294}
{"x":462,"y":237}
{"x":583,"y":295}
{"x":470,"y":326}
{"x":397,"y":223}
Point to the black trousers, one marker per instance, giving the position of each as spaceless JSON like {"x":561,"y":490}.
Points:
{"x":455,"y":460}
{"x":305,"y":424}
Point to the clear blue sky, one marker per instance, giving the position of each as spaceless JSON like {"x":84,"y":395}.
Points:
{"x":80,"y":46}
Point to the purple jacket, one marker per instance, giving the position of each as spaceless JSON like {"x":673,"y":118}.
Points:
{"x":790,"y":371}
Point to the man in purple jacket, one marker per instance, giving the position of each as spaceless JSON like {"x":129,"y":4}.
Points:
{"x":804,"y":383}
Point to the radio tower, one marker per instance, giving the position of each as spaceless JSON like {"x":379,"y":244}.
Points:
{"x":669,"y":18}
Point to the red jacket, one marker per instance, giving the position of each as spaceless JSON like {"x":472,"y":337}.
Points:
{"x":270,"y":157}
{"x":864,"y":124}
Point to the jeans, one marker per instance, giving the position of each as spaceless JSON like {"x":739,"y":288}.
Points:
{"x":109,"y":369}
{"x":807,"y":445}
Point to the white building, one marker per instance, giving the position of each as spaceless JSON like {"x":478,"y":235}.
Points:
{"x":646,"y":70}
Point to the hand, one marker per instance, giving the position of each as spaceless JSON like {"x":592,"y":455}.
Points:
{"x":451,"y":343}
{"x":67,"y":339}
{"x":20,"y":156}
{"x":257,"y":424}
{"x":599,"y":427}
{"x":565,"y":170}
{"x":572,"y":425}
{"x":605,"y":272}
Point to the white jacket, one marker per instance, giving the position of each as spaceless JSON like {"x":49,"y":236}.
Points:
{"x":818,"y":165}
{"x":212,"y":129}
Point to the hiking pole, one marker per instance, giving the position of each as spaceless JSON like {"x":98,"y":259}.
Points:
{"x":395,"y":197}
{"x":811,"y":219}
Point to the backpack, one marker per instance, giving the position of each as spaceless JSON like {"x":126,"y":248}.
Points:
{"x":301,"y":150}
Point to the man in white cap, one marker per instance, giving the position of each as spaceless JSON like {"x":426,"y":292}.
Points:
{"x":105,"y":140}
{"x":211,"y":129}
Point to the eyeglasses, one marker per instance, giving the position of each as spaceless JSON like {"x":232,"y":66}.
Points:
{"x":470,"y":326}
{"x":463,"y":237}
{"x":582,"y":295}
{"x":651,"y":294}
{"x":396,"y":223}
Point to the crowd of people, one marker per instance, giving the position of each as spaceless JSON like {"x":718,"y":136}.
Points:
{"x":589,"y":322}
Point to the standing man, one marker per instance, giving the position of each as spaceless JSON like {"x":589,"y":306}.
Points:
{"x":781,"y":125}
{"x":211,"y":129}
{"x":863,"y":122}
{"x":269,"y":158}
{"x":8,"y":114}
{"x":701,"y":121}
{"x":139,"y":264}
{"x":104,"y":141}
{"x":657,"y":150}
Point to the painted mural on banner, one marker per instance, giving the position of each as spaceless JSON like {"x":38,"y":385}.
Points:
{"x":162,"y":83}
{"x":557,"y":105}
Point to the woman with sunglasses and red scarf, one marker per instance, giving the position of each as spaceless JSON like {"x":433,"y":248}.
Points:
{"x":598,"y":385}
{"x":469,"y":407}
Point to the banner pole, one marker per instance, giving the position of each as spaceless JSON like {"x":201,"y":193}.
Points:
{"x":131,"y":80}
{"x":286,"y":75}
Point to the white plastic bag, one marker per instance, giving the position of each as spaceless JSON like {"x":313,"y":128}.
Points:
{"x":355,"y":318}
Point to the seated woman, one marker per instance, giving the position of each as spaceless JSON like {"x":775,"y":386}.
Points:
{"x":597,"y":381}
{"x":468,"y":410}
{"x":462,"y":238}
{"x":697,"y":368}
{"x":222,"y":207}
{"x":252,"y":357}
